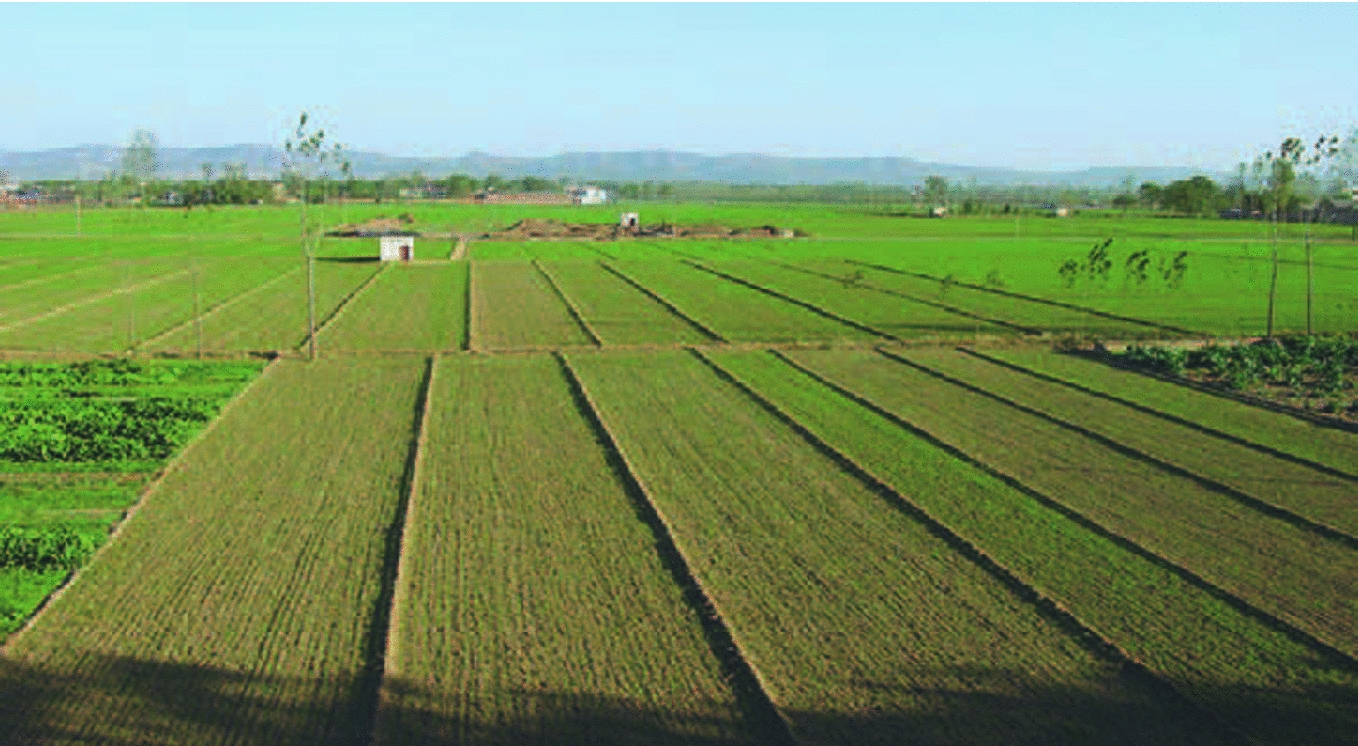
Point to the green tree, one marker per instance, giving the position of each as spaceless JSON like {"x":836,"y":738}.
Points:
{"x":936,"y":190}
{"x":141,"y":162}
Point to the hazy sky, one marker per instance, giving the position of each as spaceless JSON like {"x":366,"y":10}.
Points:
{"x":1031,"y":86}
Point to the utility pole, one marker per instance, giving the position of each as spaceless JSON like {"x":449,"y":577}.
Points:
{"x":1310,"y":278}
{"x":1273,"y":280}
{"x":197,"y":310}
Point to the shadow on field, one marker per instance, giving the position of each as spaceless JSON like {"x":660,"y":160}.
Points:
{"x":349,"y":259}
{"x":120,"y":701}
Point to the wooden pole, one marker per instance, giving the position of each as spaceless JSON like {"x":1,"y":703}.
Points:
{"x":197,"y":311}
{"x":311,"y":306}
{"x":1310,"y":281}
{"x":1273,"y":281}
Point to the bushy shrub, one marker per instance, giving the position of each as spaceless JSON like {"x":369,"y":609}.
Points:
{"x":48,"y":548}
{"x":97,"y":429}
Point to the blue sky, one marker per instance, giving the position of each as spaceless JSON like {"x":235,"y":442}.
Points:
{"x":1030,"y":86}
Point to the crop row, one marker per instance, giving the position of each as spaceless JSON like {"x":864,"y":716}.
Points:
{"x":617,"y":311}
{"x":533,"y":605}
{"x":736,"y":312}
{"x":1321,"y":447}
{"x":862,"y":623}
{"x":514,"y":306}
{"x":1284,"y":570}
{"x":1299,"y":492}
{"x":275,"y":318}
{"x":1230,"y":662}
{"x":408,"y":308}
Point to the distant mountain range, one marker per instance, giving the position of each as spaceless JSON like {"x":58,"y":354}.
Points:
{"x":93,"y":161}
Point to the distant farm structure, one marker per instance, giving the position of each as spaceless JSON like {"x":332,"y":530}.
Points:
{"x":397,"y":248}
{"x":588,"y":195}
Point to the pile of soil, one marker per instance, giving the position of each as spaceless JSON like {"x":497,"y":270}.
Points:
{"x":535,"y":229}
{"x":378,"y":226}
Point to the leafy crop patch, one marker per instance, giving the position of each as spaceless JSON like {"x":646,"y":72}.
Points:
{"x":1310,"y":372}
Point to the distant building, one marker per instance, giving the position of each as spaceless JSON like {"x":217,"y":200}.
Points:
{"x":630,"y":220}
{"x":589,"y":195}
{"x":938,"y":212}
{"x":1062,"y":212}
{"x":397,"y":248}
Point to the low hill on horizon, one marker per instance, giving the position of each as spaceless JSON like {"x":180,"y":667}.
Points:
{"x":263,"y":161}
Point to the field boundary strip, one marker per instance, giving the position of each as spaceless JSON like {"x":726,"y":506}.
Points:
{"x":1148,"y":410}
{"x":1239,"y":604}
{"x":751,"y":689}
{"x":220,"y":306}
{"x":570,"y":305}
{"x":916,"y":299}
{"x":1250,"y":501}
{"x":131,"y":511}
{"x":1033,"y":299}
{"x":390,"y":621}
{"x":1239,"y":397}
{"x":94,"y":299}
{"x":812,"y":307}
{"x":1047,"y":606}
{"x":344,"y":304}
{"x":658,"y":298}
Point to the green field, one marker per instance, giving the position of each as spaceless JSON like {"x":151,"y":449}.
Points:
{"x":874,"y":484}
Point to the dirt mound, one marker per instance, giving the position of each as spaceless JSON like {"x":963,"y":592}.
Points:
{"x":378,"y":226}
{"x":536,"y":229}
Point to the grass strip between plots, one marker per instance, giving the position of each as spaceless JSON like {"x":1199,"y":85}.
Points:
{"x":1301,"y":495}
{"x":1271,"y":686}
{"x":237,"y":610}
{"x":1279,"y":568}
{"x":863,"y":624}
{"x":534,"y":606}
{"x":1328,"y":447}
{"x":514,"y":306}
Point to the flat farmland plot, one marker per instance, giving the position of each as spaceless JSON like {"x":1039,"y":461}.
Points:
{"x":105,"y":279}
{"x":1284,"y":570}
{"x":275,"y":317}
{"x":1331,"y":447}
{"x":410,"y":307}
{"x":1312,"y":494}
{"x":738,"y":313}
{"x":1259,"y":680}
{"x":1052,"y":318}
{"x":534,"y":607}
{"x":865,"y":626}
{"x":618,"y":312}
{"x":893,"y":315}
{"x":513,"y":306}
{"x":144,"y":313}
{"x":237,"y":606}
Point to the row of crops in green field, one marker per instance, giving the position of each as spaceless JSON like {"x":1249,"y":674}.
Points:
{"x":1141,"y":276}
{"x":77,"y":443}
{"x":261,"y":305}
{"x":717,"y":546}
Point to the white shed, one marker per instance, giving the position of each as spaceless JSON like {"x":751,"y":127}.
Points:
{"x":398,"y":248}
